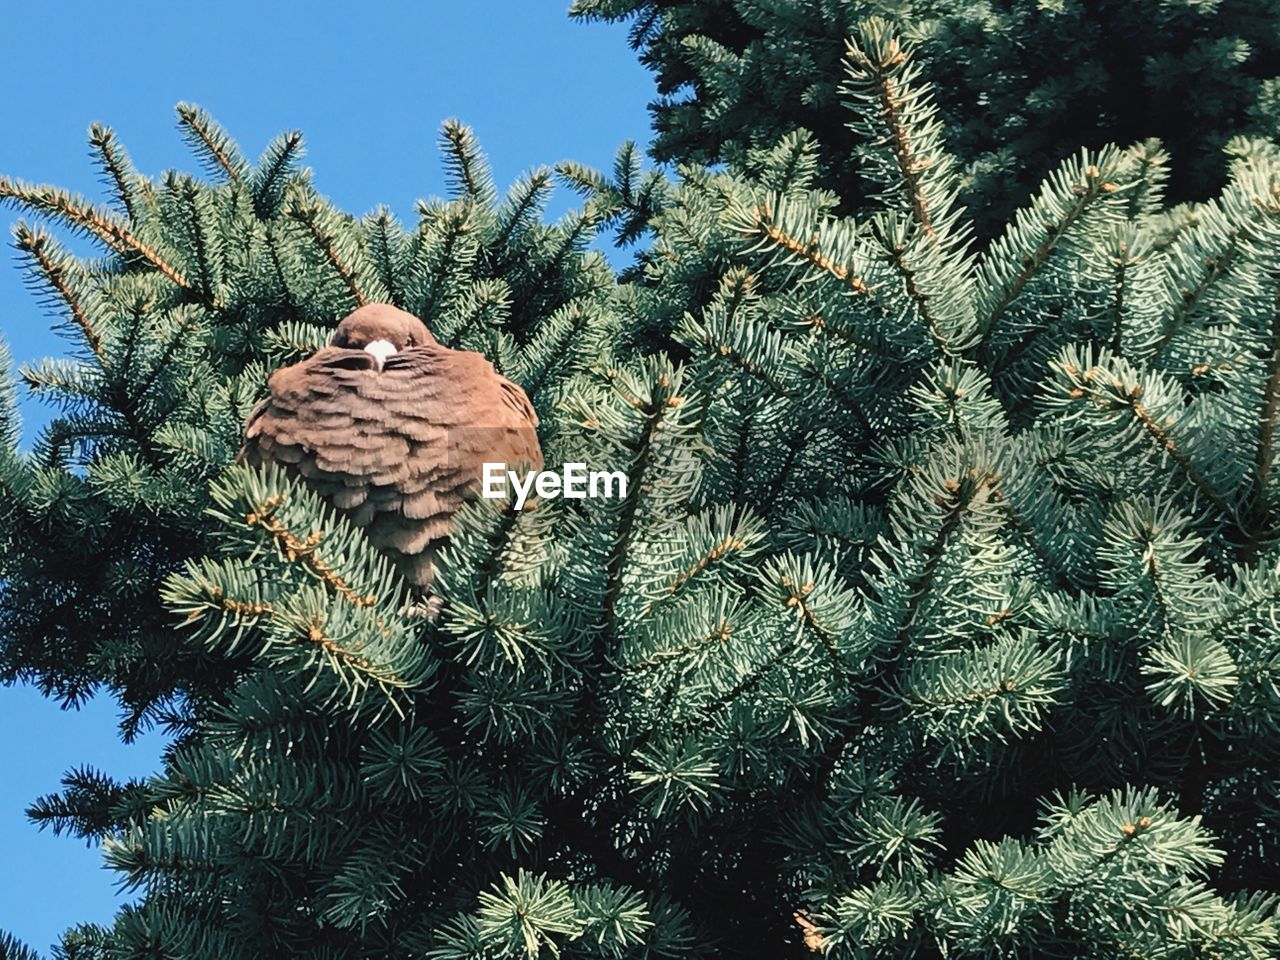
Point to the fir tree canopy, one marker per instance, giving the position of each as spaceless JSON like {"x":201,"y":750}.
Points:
{"x":939,"y":619}
{"x":1020,"y":84}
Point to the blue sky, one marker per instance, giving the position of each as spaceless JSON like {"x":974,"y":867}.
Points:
{"x":368,"y":84}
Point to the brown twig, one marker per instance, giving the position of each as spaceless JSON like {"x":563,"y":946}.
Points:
{"x":308,"y":216}
{"x":51,"y":200}
{"x":304,"y":551}
{"x":36,"y":244}
{"x":808,"y":251}
{"x":190,"y":118}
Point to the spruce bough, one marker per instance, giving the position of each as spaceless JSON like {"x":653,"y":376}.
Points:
{"x":939,"y":619}
{"x":1020,"y":83}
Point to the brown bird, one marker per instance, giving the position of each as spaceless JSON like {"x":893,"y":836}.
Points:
{"x":393,"y":428}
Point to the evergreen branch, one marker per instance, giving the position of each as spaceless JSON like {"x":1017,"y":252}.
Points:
{"x":1110,"y":392}
{"x":136,"y":858}
{"x":304,"y":551}
{"x":274,"y":165}
{"x":35,"y":243}
{"x":491,"y":567}
{"x":846,"y":336}
{"x":891,"y":107}
{"x":1217,"y":267}
{"x":80,"y":215}
{"x":189,"y":191}
{"x":1015,"y":351}
{"x":963,"y":494}
{"x":529,"y":200}
{"x":764,"y":223}
{"x":1096,"y":185}
{"x":456,"y":221}
{"x":795,"y":164}
{"x":660,"y":401}
{"x":209,"y":138}
{"x":1019,"y":523}
{"x":1267,"y":421}
{"x":755,"y":677}
{"x":754,"y":370}
{"x":965,"y":697}
{"x":715,"y":638}
{"x":1169,"y":446}
{"x":115,"y":164}
{"x":728,"y":352}
{"x":902,"y":151}
{"x":255,"y":609}
{"x":726,"y":546}
{"x":795,"y":442}
{"x":1216,"y":627}
{"x":742,"y":286}
{"x":278,"y":267}
{"x":897,"y":257}
{"x":382,"y":253}
{"x":842,"y":395}
{"x":86,"y":809}
{"x":176,"y":339}
{"x":571,"y":335}
{"x":616,"y":564}
{"x":645,"y":27}
{"x":316,"y":634}
{"x":309,"y":215}
{"x":456,"y":136}
{"x":573,"y":238}
{"x":797,"y":600}
{"x":1117,"y":302}
{"x":1151,"y":173}
{"x":467,"y":163}
{"x":918,"y":589}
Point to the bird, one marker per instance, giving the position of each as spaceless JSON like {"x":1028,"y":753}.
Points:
{"x":393,"y":428}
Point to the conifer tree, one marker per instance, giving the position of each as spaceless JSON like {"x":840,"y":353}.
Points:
{"x":938,"y":619}
{"x":1020,"y":84}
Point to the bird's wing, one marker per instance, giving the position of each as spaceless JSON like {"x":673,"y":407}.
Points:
{"x":316,"y":419}
{"x":397,"y":449}
{"x":484,"y":417}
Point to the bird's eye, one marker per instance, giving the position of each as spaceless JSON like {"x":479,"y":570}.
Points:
{"x":410,"y":342}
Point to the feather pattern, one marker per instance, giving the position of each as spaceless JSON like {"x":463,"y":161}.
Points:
{"x":396,"y":445}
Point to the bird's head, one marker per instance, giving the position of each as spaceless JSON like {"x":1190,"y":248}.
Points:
{"x":382,"y":330}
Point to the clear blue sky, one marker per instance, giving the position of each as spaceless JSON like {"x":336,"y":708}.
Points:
{"x":368,"y":83}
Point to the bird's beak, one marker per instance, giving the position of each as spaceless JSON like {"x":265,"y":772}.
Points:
{"x":381,"y":349}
